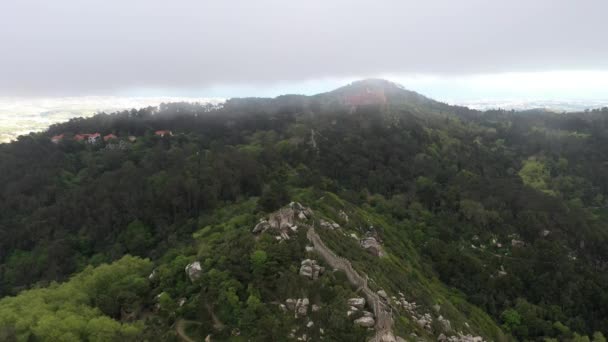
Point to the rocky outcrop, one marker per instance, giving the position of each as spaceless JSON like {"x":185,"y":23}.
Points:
{"x":328,"y":225}
{"x":290,"y":303}
{"x":446,"y":325}
{"x":298,"y":306}
{"x":301,"y":308}
{"x":460,"y":337}
{"x":517,"y":243}
{"x":194,"y":271}
{"x":261,"y":227}
{"x":357,"y":302}
{"x":372,"y":245}
{"x":343,"y":216}
{"x":365,"y":321}
{"x":409,"y":307}
{"x":310,"y":269}
{"x":284,"y":221}
{"x":181,"y":302}
{"x":425,"y":321}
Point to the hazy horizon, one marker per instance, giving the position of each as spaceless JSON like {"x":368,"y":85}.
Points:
{"x":516,"y":54}
{"x":21,"y":115}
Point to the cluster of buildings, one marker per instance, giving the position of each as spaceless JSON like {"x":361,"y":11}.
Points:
{"x":93,"y":138}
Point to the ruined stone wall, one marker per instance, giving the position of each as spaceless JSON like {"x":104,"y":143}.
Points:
{"x":384,"y":319}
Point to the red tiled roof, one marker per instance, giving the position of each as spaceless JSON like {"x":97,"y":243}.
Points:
{"x":82,"y":136}
{"x":109,"y":136}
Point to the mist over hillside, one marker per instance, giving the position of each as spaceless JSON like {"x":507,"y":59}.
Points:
{"x":20,"y":116}
{"x":366,"y":213}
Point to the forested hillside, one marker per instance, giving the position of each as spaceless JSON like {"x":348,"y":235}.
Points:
{"x":495,"y":222}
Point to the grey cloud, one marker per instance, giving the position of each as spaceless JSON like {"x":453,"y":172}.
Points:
{"x":73,"y":47}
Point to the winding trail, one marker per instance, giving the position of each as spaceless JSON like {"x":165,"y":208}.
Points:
{"x":217,"y":324}
{"x":382,"y":312}
{"x":180,"y":328}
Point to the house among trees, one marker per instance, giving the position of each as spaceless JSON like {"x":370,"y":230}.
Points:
{"x":162,"y":133}
{"x":109,"y":137}
{"x":89,"y":138}
{"x":57,"y":138}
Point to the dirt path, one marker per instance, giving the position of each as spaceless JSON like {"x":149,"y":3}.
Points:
{"x":217,"y":324}
{"x":382,"y":312}
{"x":180,"y":328}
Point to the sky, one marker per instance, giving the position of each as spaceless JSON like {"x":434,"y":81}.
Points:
{"x":450,"y":50}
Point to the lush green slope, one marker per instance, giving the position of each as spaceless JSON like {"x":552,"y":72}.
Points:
{"x":82,"y":308}
{"x":498,"y":217}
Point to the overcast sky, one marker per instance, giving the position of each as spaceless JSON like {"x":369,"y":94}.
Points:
{"x":444,"y":48}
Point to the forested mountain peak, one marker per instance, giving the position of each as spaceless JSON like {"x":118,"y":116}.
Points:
{"x":374,"y":85}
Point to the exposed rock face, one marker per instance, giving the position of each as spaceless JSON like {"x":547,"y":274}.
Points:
{"x":299,"y":306}
{"x":366,"y":322}
{"x":328,"y":225}
{"x":311,"y":269}
{"x":302,"y":307}
{"x":517,"y":243}
{"x":152,"y":275}
{"x":291,"y":304}
{"x":181,"y":302}
{"x":358,"y":302}
{"x":367,"y":314}
{"x":410,"y":307}
{"x":315,"y":308}
{"x":464,"y":338}
{"x":372,"y":245}
{"x":445,"y":324}
{"x":194,"y":270}
{"x":261,"y":227}
{"x":284,"y":221}
{"x":425,"y":322}
{"x":343,"y":216}
{"x":382,"y":294}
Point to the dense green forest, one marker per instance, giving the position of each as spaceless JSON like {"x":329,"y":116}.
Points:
{"x":498,"y":218}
